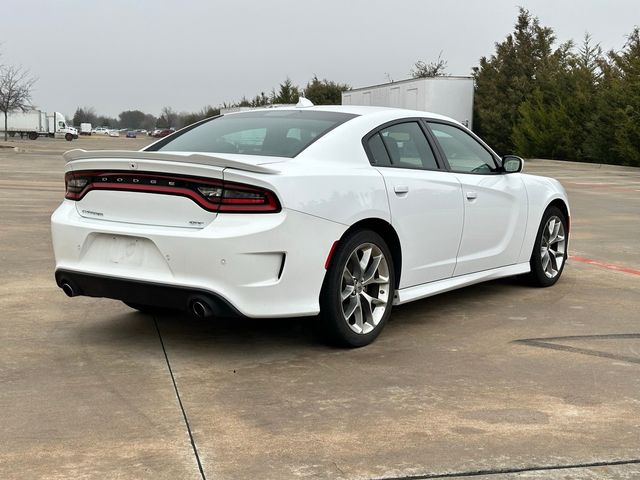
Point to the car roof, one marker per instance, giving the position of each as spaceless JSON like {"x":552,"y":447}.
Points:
{"x":360,"y":110}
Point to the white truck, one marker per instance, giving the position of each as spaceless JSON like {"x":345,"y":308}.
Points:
{"x":36,"y":123}
{"x":450,"y":96}
{"x":85,"y":129}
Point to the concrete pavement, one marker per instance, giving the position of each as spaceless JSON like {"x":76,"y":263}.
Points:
{"x":496,"y":381}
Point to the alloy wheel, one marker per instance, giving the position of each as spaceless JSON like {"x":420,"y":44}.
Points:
{"x":553,"y":247}
{"x":364,"y":292}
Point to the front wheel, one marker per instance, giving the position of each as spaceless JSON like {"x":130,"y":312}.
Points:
{"x":550,"y":249}
{"x":356,"y":298}
{"x":68,"y":137}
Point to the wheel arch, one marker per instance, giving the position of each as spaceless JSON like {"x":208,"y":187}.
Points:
{"x":562,"y":206}
{"x":389,"y":235}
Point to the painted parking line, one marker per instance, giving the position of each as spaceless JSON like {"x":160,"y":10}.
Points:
{"x":608,"y":266}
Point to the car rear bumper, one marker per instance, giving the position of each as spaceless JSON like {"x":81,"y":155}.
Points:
{"x":261,"y":265}
{"x":142,"y":292}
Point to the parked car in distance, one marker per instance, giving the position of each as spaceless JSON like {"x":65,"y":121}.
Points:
{"x":342,"y":211}
{"x":159,"y":133}
{"x":113,"y":133}
{"x":131,"y":134}
{"x":100,"y":131}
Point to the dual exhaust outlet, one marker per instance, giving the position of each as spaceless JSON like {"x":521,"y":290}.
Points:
{"x":68,"y":289}
{"x":199,"y":307}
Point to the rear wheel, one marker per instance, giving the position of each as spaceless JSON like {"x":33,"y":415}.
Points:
{"x":33,"y":135}
{"x":550,"y":249}
{"x":356,"y":298}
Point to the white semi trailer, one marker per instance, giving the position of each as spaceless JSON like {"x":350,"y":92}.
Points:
{"x":450,"y":96}
{"x":36,"y":123}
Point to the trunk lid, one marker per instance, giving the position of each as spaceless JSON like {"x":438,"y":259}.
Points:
{"x":154,"y":188}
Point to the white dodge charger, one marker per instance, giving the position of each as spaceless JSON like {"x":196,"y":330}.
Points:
{"x":341,"y":211}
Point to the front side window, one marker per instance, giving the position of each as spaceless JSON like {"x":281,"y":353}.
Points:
{"x":407,"y":146}
{"x":273,"y":132}
{"x":463,"y":152}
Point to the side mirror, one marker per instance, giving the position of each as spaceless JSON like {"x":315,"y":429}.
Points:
{"x":512,"y":164}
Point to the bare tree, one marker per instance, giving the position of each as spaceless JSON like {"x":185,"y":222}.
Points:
{"x":168,"y":118}
{"x":431,"y":69}
{"x":15,"y":91}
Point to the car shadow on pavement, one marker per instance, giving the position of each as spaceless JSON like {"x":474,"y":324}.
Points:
{"x":182,"y":330}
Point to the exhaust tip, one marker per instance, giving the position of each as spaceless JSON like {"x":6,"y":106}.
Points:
{"x":68,"y":289}
{"x":200,"y":308}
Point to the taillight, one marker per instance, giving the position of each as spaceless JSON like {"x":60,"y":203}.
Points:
{"x":75,"y":185}
{"x":238,"y":198}
{"x":211,"y":194}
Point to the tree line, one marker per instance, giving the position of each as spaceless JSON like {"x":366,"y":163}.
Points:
{"x":542,"y":100}
{"x":320,"y":92}
{"x":533,"y":97}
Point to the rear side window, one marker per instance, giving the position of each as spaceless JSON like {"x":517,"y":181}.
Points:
{"x":380,"y":157}
{"x":273,"y":132}
{"x":407,"y":146}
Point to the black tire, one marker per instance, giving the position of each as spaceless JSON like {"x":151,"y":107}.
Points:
{"x":68,"y":137}
{"x":33,"y":135}
{"x":333,"y":321}
{"x":537,"y":277}
{"x":144,"y":308}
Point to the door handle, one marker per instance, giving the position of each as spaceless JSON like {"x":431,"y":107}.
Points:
{"x":400,"y":189}
{"x":472,"y":195}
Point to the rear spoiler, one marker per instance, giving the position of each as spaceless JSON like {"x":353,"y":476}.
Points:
{"x":79,"y":154}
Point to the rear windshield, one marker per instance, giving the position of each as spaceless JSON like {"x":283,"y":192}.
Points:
{"x":278,"y":133}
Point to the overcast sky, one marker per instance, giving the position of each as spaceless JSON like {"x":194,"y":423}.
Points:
{"x":117,"y":55}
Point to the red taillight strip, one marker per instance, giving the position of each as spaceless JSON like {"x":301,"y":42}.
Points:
{"x":180,"y":192}
{"x":225,"y":203}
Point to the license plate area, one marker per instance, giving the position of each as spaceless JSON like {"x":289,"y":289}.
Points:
{"x":120,"y":252}
{"x":126,"y":250}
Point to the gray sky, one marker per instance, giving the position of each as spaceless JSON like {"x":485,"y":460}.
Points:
{"x":117,"y":55}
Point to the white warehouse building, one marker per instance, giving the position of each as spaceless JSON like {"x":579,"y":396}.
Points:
{"x":450,"y":96}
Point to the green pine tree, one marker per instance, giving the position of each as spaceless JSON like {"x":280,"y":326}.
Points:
{"x":507,"y":78}
{"x":615,"y":128}
{"x":325,"y":92}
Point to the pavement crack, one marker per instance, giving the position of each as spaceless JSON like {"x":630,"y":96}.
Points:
{"x":184,"y":413}
{"x":503,"y":471}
